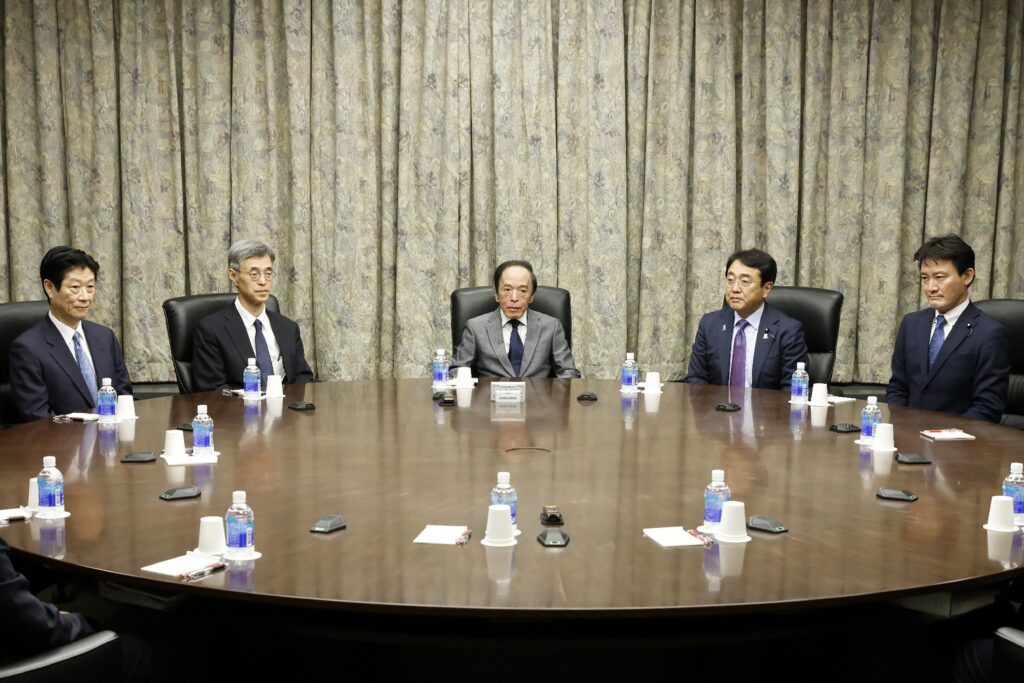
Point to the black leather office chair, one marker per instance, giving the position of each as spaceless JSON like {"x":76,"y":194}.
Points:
{"x":819,"y":311}
{"x":15,"y":318}
{"x":473,"y":301}
{"x":94,"y":658}
{"x":1010,"y":312}
{"x":183,"y":314}
{"x":1007,"y":655}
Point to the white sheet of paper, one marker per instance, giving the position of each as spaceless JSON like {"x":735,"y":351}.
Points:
{"x":176,"y":566}
{"x":836,"y":400}
{"x":15,"y":512}
{"x":439,"y":534}
{"x":191,"y":459}
{"x":946,"y":435}
{"x":671,"y":536}
{"x":85,"y":417}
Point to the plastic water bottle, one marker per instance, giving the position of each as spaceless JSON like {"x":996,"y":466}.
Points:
{"x":251,"y":381}
{"x":504,"y":494}
{"x":630,"y":375}
{"x":202,"y":432}
{"x":715,"y":495}
{"x":1013,"y":486}
{"x":441,"y":366}
{"x":107,"y":401}
{"x":798,"y":387}
{"x":51,"y":488}
{"x":869,"y":417}
{"x":240,"y":528}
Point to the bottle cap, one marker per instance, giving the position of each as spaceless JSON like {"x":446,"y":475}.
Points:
{"x":801,"y":366}
{"x":201,"y":409}
{"x":872,"y":400}
{"x":252,"y":361}
{"x":439,"y":352}
{"x":1016,"y":468}
{"x":238,"y":497}
{"x":717,"y":475}
{"x":630,"y":356}
{"x":106,"y":382}
{"x":49,"y":461}
{"x":503,"y":478}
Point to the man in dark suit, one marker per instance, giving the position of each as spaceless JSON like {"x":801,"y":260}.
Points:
{"x":511,"y":340}
{"x":58,"y":363}
{"x":749,"y":343}
{"x":224,"y":341}
{"x":950,"y":357}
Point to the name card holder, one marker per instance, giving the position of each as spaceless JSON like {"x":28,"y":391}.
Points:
{"x":508,"y":392}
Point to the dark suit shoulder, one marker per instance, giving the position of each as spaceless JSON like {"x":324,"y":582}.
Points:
{"x":218,"y":317}
{"x":31,"y":336}
{"x":278,"y":319}
{"x":772,"y":314}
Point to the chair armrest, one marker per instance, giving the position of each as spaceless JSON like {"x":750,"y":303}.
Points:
{"x":98,"y":654}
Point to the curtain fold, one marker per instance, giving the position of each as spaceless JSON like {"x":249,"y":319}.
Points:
{"x":392,"y":151}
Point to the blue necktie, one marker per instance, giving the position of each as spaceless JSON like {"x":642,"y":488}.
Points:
{"x":938,"y":337}
{"x":263,"y":355}
{"x":515,"y":348}
{"x":738,"y":373}
{"x":85,"y":365}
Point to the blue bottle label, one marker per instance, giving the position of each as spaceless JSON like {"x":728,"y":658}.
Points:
{"x":1015,"y":491}
{"x":440,"y":371}
{"x":252,"y":383}
{"x":51,"y":494}
{"x":713,"y":507}
{"x":200,"y":435}
{"x":240,"y":533}
{"x":108,"y":405}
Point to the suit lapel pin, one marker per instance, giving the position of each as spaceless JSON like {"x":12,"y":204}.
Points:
{"x":723,"y":327}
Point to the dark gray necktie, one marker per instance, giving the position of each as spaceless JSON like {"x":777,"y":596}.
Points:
{"x":263,"y":355}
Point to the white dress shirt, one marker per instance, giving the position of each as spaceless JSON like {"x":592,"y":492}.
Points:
{"x":69,"y":333}
{"x":506,"y":328}
{"x":951,"y":316}
{"x":248,"y":319}
{"x":750,"y":335}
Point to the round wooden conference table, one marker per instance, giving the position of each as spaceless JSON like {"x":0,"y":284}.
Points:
{"x":391,"y":461}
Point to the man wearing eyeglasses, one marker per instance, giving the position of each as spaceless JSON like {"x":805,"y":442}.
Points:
{"x":58,"y":363}
{"x":950,"y":357}
{"x":747,"y":344}
{"x":224,"y":341}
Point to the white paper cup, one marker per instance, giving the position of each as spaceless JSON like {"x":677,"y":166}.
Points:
{"x":883,"y":439}
{"x":1000,"y":515}
{"x":211,"y":536}
{"x":174,"y":442}
{"x":881,"y":462}
{"x":274,"y":406}
{"x":126,"y":407}
{"x":499,"y":526}
{"x":819,"y":395}
{"x":464,"y":395}
{"x":274,"y":386}
{"x":652,"y":401}
{"x":652,"y":385}
{"x":33,"y":495}
{"x":1000,"y":546}
{"x":730,"y":557}
{"x":819,"y":416}
{"x":126,"y":430}
{"x":464,"y":377}
{"x":733,"y":528}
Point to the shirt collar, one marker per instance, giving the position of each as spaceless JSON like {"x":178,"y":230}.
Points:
{"x":505,"y":318}
{"x":754,"y":319}
{"x":248,"y":318}
{"x":65,"y":331}
{"x":953,"y":314}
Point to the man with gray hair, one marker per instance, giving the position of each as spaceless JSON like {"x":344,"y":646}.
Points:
{"x":224,"y":341}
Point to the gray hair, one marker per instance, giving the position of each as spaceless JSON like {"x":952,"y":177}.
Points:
{"x":246,"y":249}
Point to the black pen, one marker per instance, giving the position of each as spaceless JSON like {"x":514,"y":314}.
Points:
{"x":204,"y":572}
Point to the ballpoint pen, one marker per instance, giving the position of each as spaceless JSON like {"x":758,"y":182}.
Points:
{"x":204,"y":572}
